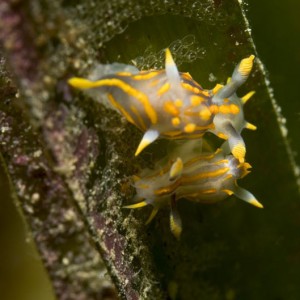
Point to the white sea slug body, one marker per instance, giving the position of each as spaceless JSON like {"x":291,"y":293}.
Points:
{"x":205,"y":178}
{"x":169,"y":104}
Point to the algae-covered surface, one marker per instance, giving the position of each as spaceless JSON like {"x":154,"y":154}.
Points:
{"x":67,"y":160}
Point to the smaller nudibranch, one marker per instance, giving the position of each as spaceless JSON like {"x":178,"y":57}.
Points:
{"x":208,"y":177}
{"x":170,"y":104}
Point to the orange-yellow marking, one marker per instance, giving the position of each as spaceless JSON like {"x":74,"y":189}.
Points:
{"x":178,"y":103}
{"x":228,"y":192}
{"x":121,"y":109}
{"x":198,"y":158}
{"x":214,"y":109}
{"x":189,"y":128}
{"x":209,"y":191}
{"x":222,"y":136}
{"x":154,"y":82}
{"x":196,"y":100}
{"x":124,"y":74}
{"x":186,"y":75}
{"x":163,"y":89}
{"x":246,"y":65}
{"x":205,"y":175}
{"x":229,"y":176}
{"x":172,"y":133}
{"x":145,"y":76}
{"x":175,"y":121}
{"x":205,"y":114}
{"x":139,"y":117}
{"x":190,"y":113}
{"x":141,"y":97}
{"x":170,"y":108}
{"x":222,"y":161}
{"x":217,"y":88}
{"x":239,"y":152}
{"x":190,"y":88}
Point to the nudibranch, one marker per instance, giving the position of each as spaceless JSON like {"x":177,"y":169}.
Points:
{"x":207,"y":177}
{"x":170,"y":104}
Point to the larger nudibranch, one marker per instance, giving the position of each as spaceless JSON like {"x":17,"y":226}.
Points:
{"x":167,"y":103}
{"x":204,"y":178}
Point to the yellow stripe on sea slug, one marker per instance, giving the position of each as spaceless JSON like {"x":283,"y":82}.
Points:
{"x":168,"y":189}
{"x":123,"y":74}
{"x":121,"y":108}
{"x":140,"y":118}
{"x":186,"y":136}
{"x":163,"y":89}
{"x":141,"y":97}
{"x":172,"y":133}
{"x":190,"y":88}
{"x":205,"y":175}
{"x":146,"y":76}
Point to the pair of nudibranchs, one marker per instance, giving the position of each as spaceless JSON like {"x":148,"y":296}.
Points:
{"x":170,"y":104}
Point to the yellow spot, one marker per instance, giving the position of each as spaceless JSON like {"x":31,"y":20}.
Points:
{"x":126,"y":88}
{"x":217,"y":88}
{"x":228,"y":192}
{"x":176,"y":169}
{"x":189,"y":128}
{"x":246,"y":65}
{"x":163,"y":89}
{"x":136,"y":205}
{"x":250,"y":126}
{"x":175,"y":121}
{"x":196,"y":100}
{"x":170,"y":108}
{"x":178,"y":103}
{"x":247,"y":96}
{"x":145,"y":76}
{"x":214,"y":109}
{"x":256,"y":203}
{"x":205,"y":114}
{"x":239,"y":152}
{"x":120,"y":108}
{"x":222,"y":136}
{"x":228,"y":80}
